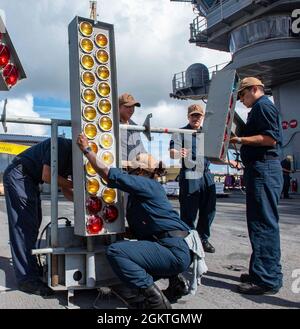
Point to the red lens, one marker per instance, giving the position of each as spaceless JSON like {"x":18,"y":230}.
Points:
{"x":4,"y":55}
{"x":285,"y":125}
{"x":293,"y":124}
{"x":110,"y":213}
{"x":11,"y":74}
{"x":94,"y":224}
{"x":93,"y":205}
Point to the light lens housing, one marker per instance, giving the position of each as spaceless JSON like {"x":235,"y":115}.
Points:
{"x":90,"y":131}
{"x":103,"y":89}
{"x":105,"y":123}
{"x":89,"y":96}
{"x":4,"y":55}
{"x":94,"y":147}
{"x":89,"y":169}
{"x":104,"y":106}
{"x":89,"y":113}
{"x":92,"y":186}
{"x":86,"y":45}
{"x":101,"y":40}
{"x":93,"y":205}
{"x":87,"y":62}
{"x":86,"y":29}
{"x":110,"y":213}
{"x":102,"y":72}
{"x":102,"y":56}
{"x":11,"y":74}
{"x":108,"y":158}
{"x":94,"y":224}
{"x":88,"y":78}
{"x":109,"y":195}
{"x":106,"y":140}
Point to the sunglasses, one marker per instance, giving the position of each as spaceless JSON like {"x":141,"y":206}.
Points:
{"x":243,"y":92}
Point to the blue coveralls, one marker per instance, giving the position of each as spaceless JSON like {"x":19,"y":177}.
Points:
{"x":263,"y":181}
{"x":149,"y":213}
{"x":21,"y":185}
{"x":285,"y":164}
{"x":196,"y":195}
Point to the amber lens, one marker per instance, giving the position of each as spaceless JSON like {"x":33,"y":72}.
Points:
{"x":94,"y":147}
{"x":90,"y":131}
{"x":103,"y":89}
{"x":104,"y":106}
{"x":102,"y":56}
{"x":89,"y":169}
{"x":86,"y":29}
{"x":87,"y":62}
{"x":86,"y":45}
{"x":106,"y":140}
{"x":105,"y":123}
{"x":89,"y":95}
{"x":107,"y":158}
{"x":103,"y":72}
{"x":89,"y":113}
{"x":92,"y":186}
{"x":101,"y":40}
{"x":88,"y":78}
{"x":109,"y":195}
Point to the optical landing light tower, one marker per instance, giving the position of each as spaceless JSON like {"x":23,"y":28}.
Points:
{"x":264,"y":40}
{"x":78,"y":260}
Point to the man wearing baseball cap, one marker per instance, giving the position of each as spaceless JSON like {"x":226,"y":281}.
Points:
{"x":131,"y":142}
{"x":197,"y":195}
{"x":260,"y":149}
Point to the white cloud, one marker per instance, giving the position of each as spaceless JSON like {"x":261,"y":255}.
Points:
{"x":151,"y":43}
{"x":22,"y":107}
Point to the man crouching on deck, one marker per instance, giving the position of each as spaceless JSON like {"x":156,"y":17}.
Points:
{"x":164,"y":241}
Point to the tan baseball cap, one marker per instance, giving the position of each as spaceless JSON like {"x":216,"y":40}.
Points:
{"x":195,"y":108}
{"x":128,"y":100}
{"x":249,"y":82}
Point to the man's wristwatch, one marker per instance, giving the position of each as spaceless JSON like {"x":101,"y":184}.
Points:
{"x":86,"y":150}
{"x":239,"y":140}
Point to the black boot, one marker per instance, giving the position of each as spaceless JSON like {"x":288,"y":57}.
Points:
{"x":155,"y":299}
{"x":178,"y":287}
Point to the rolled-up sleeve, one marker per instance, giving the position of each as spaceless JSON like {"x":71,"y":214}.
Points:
{"x":267,"y":121}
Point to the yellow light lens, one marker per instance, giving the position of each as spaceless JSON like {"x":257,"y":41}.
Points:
{"x":101,"y":40}
{"x":107,"y":158}
{"x":103,"y":89}
{"x":94,"y":147}
{"x":106,"y":140}
{"x":86,"y":45}
{"x":105,"y":123}
{"x":90,"y":131}
{"x":104,"y":106}
{"x":87,"y":62}
{"x":89,"y":113}
{"x":88,"y":78}
{"x":89,"y":169}
{"x":89,"y":95}
{"x":92,"y":186}
{"x":86,"y":29}
{"x":109,"y":195}
{"x":103,"y":72}
{"x":102,"y":56}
